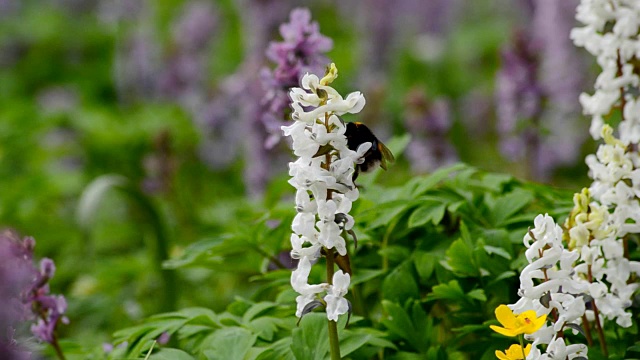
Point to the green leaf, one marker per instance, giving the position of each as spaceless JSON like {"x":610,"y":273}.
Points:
{"x":310,"y":341}
{"x":467,"y":329}
{"x":422,"y":184}
{"x":229,"y":343}
{"x":395,"y":253}
{"x":376,"y":338}
{"x":477,"y":294}
{"x":94,"y":193}
{"x":258,"y":309}
{"x":280,"y":350}
{"x":508,"y":205}
{"x":502,"y":276}
{"x":350,"y":342}
{"x":430,"y":212}
{"x":635,"y":348}
{"x":365,"y":275}
{"x":398,"y":321}
{"x":402,"y":355}
{"x":424,"y":263}
{"x":498,"y":251}
{"x":265,"y":327}
{"x":170,"y":354}
{"x":452,"y":291}
{"x":495,"y":181}
{"x":460,"y":259}
{"x":400,"y":284}
{"x":436,"y":353}
{"x":465,"y":235}
{"x":382,"y":214}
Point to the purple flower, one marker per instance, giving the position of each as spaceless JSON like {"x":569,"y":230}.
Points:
{"x":16,"y":275}
{"x":537,"y":87}
{"x":303,"y":50}
{"x":47,"y":268}
{"x":25,"y":290}
{"x":429,"y":123}
{"x":48,"y":309}
{"x":194,"y":30}
{"x":561,"y":78}
{"x":164,"y":338}
{"x":518,"y":94}
{"x":184,"y":73}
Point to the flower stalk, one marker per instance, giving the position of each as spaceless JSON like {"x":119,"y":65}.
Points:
{"x":323,"y":178}
{"x":334,"y":342}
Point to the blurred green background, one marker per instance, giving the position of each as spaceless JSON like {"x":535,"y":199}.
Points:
{"x":75,"y":106}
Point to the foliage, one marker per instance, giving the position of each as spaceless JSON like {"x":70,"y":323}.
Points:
{"x":435,"y":256}
{"x":199,"y":261}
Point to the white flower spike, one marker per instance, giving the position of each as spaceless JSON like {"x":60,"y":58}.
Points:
{"x":325,"y":191}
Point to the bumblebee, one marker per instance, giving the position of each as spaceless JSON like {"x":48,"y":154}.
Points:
{"x":357,"y":134}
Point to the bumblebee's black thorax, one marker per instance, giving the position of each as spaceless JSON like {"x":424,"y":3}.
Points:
{"x":358,"y":134}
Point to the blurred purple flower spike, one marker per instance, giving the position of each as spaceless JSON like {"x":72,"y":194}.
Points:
{"x":429,"y":123}
{"x":195,"y":28}
{"x":15,"y":275}
{"x":25,"y":290}
{"x":303,"y":50}
{"x":519,"y":99}
{"x":48,"y":309}
{"x":536,"y":87}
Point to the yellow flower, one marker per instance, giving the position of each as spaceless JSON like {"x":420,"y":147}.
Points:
{"x":514,"y":352}
{"x":332,"y":74}
{"x":525,"y":323}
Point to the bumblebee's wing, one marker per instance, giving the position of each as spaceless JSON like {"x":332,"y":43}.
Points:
{"x":387,"y":156}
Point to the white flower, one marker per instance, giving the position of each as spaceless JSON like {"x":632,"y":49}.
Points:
{"x":336,"y":303}
{"x":299,"y":282}
{"x":323,"y":178}
{"x":558,"y":350}
{"x":300,"y":278}
{"x":304,"y":98}
{"x":299,"y":251}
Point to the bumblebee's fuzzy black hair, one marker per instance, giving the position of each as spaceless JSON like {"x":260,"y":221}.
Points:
{"x":357,"y":134}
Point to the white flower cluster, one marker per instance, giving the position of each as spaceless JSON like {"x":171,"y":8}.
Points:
{"x":610,"y":209}
{"x":322,"y":175}
{"x":548,"y":286}
{"x":611,"y":35}
{"x":595,"y":233}
{"x":588,"y":279}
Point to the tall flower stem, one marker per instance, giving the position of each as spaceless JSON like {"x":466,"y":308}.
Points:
{"x":596,"y":313}
{"x":587,"y":330}
{"x":56,"y":347}
{"x":521,"y":338}
{"x":323,"y":177}
{"x":334,"y":342}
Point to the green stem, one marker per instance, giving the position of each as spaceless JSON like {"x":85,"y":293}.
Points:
{"x":160,"y":249}
{"x":521,"y":338}
{"x":334,"y":342}
{"x":56,"y":347}
{"x":385,"y":243}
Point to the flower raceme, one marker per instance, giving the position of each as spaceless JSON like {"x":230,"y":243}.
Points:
{"x":514,"y":325}
{"x":514,"y":352}
{"x":323,"y":178}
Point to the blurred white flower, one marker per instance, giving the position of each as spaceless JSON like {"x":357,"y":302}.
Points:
{"x":336,"y":303}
